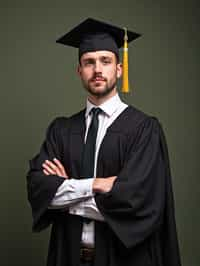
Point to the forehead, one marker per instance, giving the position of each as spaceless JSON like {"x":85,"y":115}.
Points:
{"x":97,"y":54}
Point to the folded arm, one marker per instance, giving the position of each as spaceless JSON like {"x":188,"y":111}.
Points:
{"x":77,"y":194}
{"x":43,"y":186}
{"x":72,"y":191}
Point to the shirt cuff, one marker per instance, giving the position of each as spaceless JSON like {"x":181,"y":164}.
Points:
{"x":84,"y":186}
{"x":72,"y":191}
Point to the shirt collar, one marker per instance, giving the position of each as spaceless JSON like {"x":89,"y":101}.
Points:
{"x":109,"y":106}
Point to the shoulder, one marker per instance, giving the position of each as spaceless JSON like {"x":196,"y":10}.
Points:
{"x":77,"y":116}
{"x":58,"y":123}
{"x":135,"y":119}
{"x":63,"y":122}
{"x":142,"y":129}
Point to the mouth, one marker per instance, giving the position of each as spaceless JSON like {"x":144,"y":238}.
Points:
{"x":97,"y":79}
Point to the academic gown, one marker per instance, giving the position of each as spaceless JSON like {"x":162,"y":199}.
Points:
{"x":139,"y":227}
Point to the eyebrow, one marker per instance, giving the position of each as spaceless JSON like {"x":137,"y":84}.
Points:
{"x":91,"y":59}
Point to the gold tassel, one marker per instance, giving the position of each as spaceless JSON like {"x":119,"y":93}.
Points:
{"x":125,"y":81}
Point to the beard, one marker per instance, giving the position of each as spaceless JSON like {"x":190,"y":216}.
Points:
{"x":108,"y":87}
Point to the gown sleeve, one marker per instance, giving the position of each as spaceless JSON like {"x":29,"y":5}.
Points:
{"x":41,"y":188}
{"x":135,"y":206}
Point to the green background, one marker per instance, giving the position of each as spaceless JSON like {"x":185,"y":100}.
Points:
{"x":38,"y":82}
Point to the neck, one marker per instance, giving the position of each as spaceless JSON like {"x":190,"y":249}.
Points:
{"x":99,"y":100}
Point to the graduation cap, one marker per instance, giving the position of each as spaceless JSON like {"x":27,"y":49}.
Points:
{"x":94,"y":35}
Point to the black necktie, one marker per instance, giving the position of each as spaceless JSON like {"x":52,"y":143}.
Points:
{"x":87,"y":170}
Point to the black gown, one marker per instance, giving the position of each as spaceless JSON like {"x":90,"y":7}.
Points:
{"x":139,"y":227}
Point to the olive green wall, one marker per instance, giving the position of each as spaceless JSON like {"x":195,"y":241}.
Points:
{"x":38,"y":82}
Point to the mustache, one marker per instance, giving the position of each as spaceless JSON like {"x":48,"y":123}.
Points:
{"x":99,"y":77}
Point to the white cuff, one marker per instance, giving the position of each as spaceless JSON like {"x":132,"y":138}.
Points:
{"x":84,"y":186}
{"x":72,"y":191}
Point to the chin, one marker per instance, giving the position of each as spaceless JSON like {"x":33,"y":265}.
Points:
{"x":98,"y":90}
{"x":101,"y":90}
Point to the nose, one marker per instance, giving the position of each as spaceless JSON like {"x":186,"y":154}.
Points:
{"x":97,"y":67}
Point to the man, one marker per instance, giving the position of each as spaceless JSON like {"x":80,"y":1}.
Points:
{"x":102,"y":176}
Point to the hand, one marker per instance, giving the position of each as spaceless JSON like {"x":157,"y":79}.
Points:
{"x":54,"y":168}
{"x":103,"y":185}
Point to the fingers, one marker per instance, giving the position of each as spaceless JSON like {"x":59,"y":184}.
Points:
{"x":60,"y":167}
{"x":46,"y":172}
{"x":50,"y":168}
{"x":54,"y":168}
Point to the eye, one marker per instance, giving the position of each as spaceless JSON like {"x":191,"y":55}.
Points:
{"x":88,"y":62}
{"x":106,"y":60}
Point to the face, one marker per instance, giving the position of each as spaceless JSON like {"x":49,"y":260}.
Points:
{"x":99,"y":72}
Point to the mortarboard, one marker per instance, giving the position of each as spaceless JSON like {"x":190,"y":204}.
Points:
{"x":94,"y":35}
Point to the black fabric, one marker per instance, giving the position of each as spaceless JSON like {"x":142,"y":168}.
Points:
{"x":88,"y":157}
{"x":41,"y":189}
{"x":139,"y":227}
{"x":86,"y":264}
{"x":98,"y":42}
{"x":92,"y":35}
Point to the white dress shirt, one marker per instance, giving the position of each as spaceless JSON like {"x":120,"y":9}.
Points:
{"x":77,"y":194}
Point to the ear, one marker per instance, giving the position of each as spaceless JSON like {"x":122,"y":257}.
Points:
{"x":78,"y":70}
{"x":119,"y":70}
